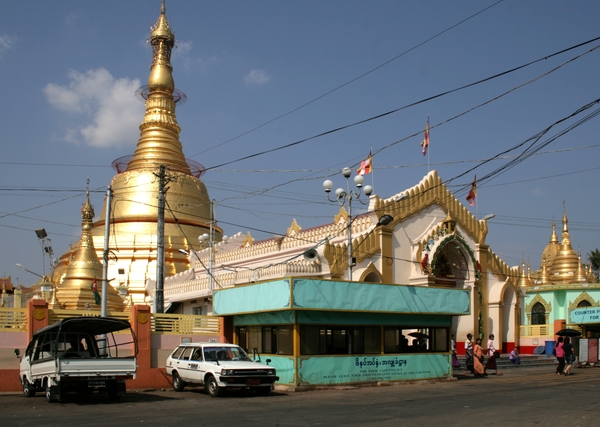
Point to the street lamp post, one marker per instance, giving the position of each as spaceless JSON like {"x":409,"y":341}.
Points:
{"x":345,"y":197}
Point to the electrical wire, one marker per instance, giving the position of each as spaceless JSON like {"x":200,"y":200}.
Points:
{"x":349,"y":81}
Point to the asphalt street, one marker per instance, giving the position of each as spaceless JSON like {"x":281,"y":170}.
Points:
{"x":521,"y":397}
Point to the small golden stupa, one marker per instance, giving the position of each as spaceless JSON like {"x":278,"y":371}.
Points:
{"x":76,"y":288}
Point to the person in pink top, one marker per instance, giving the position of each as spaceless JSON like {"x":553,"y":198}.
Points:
{"x":560,"y":356}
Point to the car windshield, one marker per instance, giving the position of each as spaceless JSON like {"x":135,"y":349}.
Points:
{"x":225,"y":353}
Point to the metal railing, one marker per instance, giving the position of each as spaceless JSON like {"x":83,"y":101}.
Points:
{"x":185,"y":324}
{"x":13,"y":319}
{"x":56,"y":315}
{"x":536,"y":331}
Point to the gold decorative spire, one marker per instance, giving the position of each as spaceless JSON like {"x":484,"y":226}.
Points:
{"x":580,"y":276}
{"x":550,"y":250}
{"x":565,"y":263}
{"x":524,"y":280}
{"x":75,"y":291}
{"x":159,"y":132}
{"x":544,"y":277}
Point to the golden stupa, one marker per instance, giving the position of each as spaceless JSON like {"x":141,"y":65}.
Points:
{"x":133,"y":219}
{"x":561,"y":265}
{"x":76,"y":288}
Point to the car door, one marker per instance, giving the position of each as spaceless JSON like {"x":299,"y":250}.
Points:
{"x":182,"y":364}
{"x":194,"y":363}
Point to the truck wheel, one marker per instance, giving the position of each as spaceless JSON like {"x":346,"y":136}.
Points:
{"x":178,"y":384}
{"x":113,"y":392}
{"x":213,"y":388}
{"x":28,"y":389}
{"x":49,"y":398}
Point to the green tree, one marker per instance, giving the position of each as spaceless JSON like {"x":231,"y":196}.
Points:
{"x":594,"y":259}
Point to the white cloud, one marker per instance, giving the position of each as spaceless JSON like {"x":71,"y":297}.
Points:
{"x":112,"y":113}
{"x":257,"y":77}
{"x":182,"y":48}
{"x":6,"y":43}
{"x":184,"y":56}
{"x":537,"y":192}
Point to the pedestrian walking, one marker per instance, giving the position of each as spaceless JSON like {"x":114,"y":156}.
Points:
{"x":491,"y":352}
{"x":469,"y":354}
{"x":478,"y":368}
{"x":560,"y":356}
{"x":568,"y":348}
{"x":455,"y":361}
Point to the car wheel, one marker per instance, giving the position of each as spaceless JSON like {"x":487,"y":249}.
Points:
{"x":213,"y":388}
{"x":262,"y":391}
{"x":178,"y":384}
{"x":28,"y":389}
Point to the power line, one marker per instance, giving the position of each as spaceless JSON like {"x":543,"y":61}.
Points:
{"x":349,"y":81}
{"x":379,"y":116}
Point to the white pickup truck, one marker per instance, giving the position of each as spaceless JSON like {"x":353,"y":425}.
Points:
{"x":79,"y":354}
{"x":219,"y":367}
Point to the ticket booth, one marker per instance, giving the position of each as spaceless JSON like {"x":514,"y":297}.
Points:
{"x":325,"y":332}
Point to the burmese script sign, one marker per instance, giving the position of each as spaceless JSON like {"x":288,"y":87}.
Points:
{"x":585,"y":315}
{"x":359,"y":369}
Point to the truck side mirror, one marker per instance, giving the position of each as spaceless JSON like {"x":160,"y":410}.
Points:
{"x":268,"y":361}
{"x":17,"y":352}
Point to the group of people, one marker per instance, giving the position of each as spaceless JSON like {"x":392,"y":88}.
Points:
{"x":564,"y":354}
{"x":474,"y":352}
{"x":475,"y":356}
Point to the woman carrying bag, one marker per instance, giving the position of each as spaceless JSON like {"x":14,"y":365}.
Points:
{"x":491,"y":350}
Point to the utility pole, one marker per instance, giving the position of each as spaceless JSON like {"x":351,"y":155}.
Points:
{"x":105,"y":253}
{"x":160,"y":243}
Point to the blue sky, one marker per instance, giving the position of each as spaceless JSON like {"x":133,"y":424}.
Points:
{"x":263,"y":74}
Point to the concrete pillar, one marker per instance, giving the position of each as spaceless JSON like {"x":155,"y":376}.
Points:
{"x":37,"y":316}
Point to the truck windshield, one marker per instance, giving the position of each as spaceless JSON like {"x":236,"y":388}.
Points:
{"x":225,"y":353}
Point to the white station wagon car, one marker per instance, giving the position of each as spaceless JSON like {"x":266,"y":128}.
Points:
{"x":218,"y":367}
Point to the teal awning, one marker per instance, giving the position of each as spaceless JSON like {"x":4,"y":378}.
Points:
{"x":329,"y":295}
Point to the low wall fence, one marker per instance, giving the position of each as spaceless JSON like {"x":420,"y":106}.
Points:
{"x":15,"y":320}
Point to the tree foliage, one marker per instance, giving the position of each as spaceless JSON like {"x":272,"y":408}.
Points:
{"x":594,"y":259}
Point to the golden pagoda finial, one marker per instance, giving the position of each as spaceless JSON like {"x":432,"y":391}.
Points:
{"x":565,"y":219}
{"x":159,"y":132}
{"x":553,"y":236}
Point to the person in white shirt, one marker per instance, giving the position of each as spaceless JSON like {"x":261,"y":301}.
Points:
{"x":469,"y":353}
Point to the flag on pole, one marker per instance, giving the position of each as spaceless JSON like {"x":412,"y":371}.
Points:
{"x":365,"y":166}
{"x":425,"y":142}
{"x":472,"y":192}
{"x":95,"y":291}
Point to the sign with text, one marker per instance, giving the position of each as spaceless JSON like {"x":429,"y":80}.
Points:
{"x":585,"y":315}
{"x":330,"y":370}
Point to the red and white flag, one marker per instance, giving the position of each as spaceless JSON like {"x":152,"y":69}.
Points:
{"x":473,"y":192}
{"x":425,"y":142}
{"x":365,"y":166}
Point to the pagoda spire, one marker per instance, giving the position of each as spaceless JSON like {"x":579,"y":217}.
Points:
{"x":159,"y":131}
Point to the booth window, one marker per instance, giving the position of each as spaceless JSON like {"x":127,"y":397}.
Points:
{"x":267,"y":339}
{"x":415,"y":340}
{"x":340,"y":340}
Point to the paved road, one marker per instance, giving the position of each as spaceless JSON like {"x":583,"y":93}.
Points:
{"x":521,"y":397}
